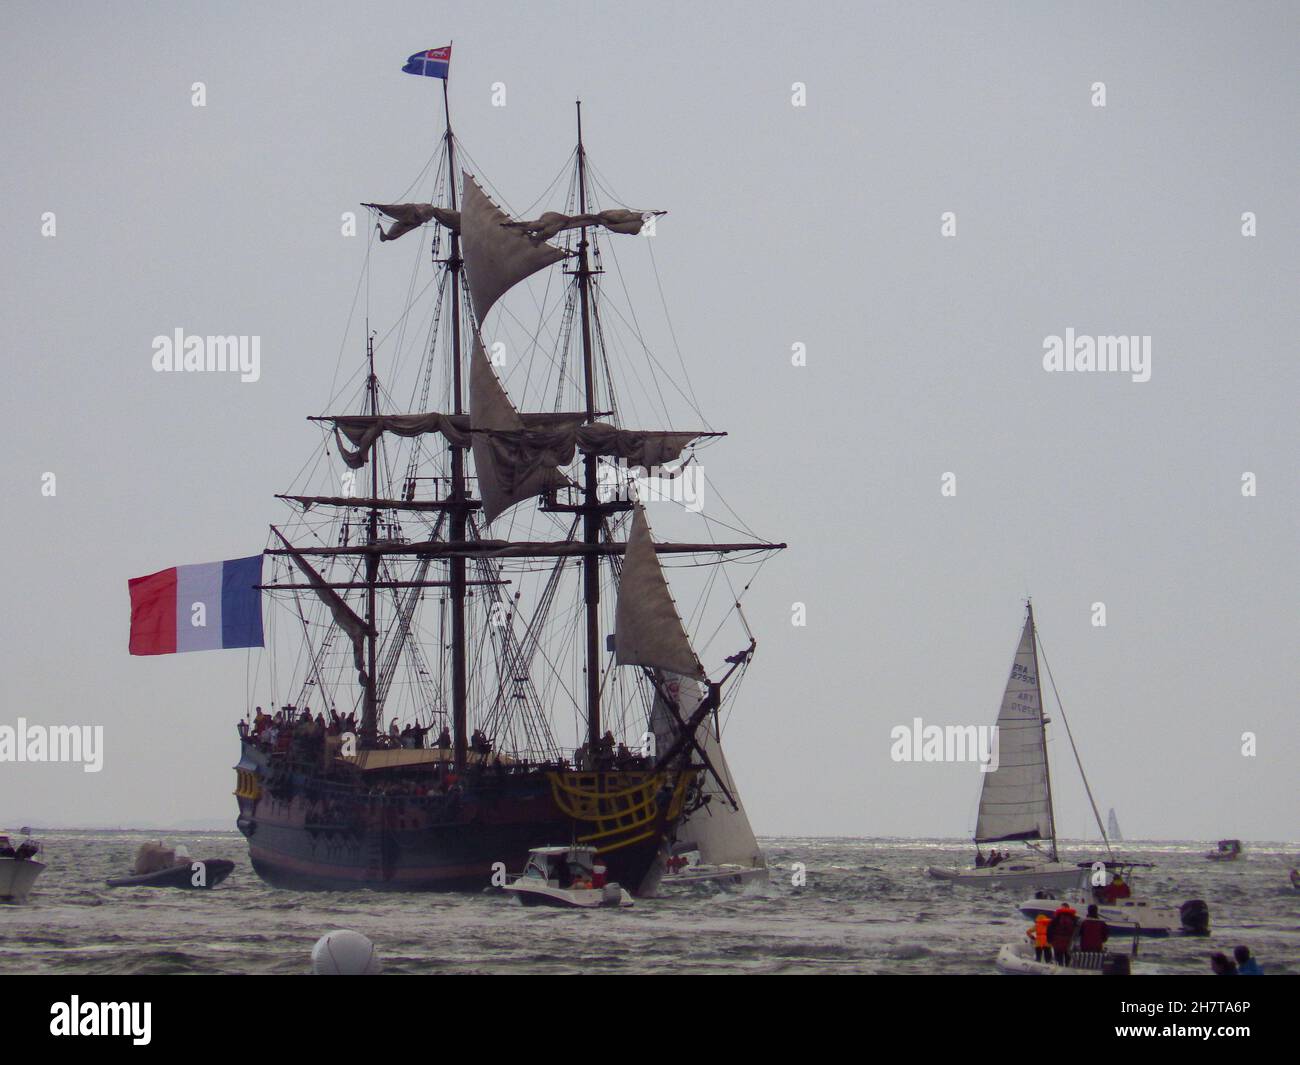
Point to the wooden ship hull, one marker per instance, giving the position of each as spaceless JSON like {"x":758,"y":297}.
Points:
{"x":348,"y":829}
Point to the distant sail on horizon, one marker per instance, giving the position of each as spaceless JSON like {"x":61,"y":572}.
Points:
{"x":1112,"y":827}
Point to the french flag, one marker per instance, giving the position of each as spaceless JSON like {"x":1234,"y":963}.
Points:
{"x":431,"y":64}
{"x":197,"y":608}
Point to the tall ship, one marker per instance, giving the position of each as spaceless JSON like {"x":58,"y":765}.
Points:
{"x":472,"y":647}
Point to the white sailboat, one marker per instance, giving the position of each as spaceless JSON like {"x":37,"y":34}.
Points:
{"x":714,"y":842}
{"x":1016,"y":800}
{"x":1112,"y":828}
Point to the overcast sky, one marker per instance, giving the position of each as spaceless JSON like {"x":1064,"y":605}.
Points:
{"x":817,"y":225}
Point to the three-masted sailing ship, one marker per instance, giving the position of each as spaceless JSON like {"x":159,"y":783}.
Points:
{"x":481,"y":573}
{"x":1016,"y":798}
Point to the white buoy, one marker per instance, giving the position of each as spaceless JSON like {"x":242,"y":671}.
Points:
{"x":344,"y":953}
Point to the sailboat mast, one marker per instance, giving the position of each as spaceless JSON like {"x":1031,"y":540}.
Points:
{"x":1042,"y":730}
{"x":458,"y":496}
{"x":591,"y":517}
{"x":370,"y":707}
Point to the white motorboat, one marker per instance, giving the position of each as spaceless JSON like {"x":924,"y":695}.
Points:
{"x":1016,"y":797}
{"x":687,"y":869}
{"x":18,"y":869}
{"x":1123,"y":912}
{"x":566,"y":876}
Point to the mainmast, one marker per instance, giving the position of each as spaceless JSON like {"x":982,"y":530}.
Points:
{"x":591,"y":510}
{"x":458,"y":498}
{"x":370,"y":708}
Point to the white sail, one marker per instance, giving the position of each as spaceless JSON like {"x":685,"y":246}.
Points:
{"x":496,"y":257}
{"x":1112,"y":828}
{"x":719,"y":831}
{"x":648,"y":631}
{"x":508,"y":472}
{"x":1016,"y":800}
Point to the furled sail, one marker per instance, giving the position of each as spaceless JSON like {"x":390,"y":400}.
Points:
{"x":496,"y":258}
{"x":344,"y":616}
{"x":558,"y":434}
{"x":507,"y":471}
{"x":1015,"y":802}
{"x":718,"y":830}
{"x":618,"y":220}
{"x":364,"y":429}
{"x":409,"y":216}
{"x":647,"y":628}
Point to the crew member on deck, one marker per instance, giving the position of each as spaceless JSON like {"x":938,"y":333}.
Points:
{"x":444,"y":738}
{"x":1060,"y":933}
{"x":1093,"y":932}
{"x":1038,"y":934}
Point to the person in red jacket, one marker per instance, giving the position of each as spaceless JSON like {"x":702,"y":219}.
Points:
{"x":1093,"y":932}
{"x":1061,"y":932}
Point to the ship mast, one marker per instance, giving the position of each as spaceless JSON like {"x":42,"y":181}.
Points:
{"x":458,"y":498}
{"x":370,"y":708}
{"x":591,"y":510}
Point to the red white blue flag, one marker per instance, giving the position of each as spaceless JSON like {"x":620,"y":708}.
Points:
{"x":197,"y":608}
{"x":431,"y":64}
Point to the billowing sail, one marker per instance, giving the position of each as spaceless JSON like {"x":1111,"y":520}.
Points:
{"x":496,"y":257}
{"x":1112,"y":828}
{"x":1015,"y":802}
{"x":647,"y":628}
{"x":507,"y":472}
{"x":719,"y":831}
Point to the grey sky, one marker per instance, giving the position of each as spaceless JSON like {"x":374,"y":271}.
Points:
{"x":818,"y":225}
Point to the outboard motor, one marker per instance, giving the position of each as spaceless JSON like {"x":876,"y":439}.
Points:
{"x":1116,"y":965}
{"x":1195,"y":915}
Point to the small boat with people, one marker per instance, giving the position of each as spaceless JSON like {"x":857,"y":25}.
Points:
{"x":566,"y":876}
{"x":1016,"y":796}
{"x":1123,"y":911}
{"x":1064,"y":944}
{"x":1227,"y":850}
{"x":172,"y":867}
{"x":19,"y":868}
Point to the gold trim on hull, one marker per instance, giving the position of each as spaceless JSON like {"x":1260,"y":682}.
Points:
{"x":620,"y":815}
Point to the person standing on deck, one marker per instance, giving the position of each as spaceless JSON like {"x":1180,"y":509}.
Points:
{"x":1060,"y":932}
{"x":1093,"y":932}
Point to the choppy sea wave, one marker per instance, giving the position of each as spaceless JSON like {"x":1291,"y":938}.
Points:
{"x":866,"y":907}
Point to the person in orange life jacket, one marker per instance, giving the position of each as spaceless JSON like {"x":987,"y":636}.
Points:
{"x":1038,"y":936}
{"x":1093,"y":932}
{"x":1060,"y":932}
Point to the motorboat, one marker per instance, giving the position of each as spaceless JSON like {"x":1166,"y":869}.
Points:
{"x":566,"y":876}
{"x":19,"y":869}
{"x":172,"y":867}
{"x":1228,"y":850}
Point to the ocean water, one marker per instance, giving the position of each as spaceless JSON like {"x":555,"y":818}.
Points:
{"x":867,"y":907}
